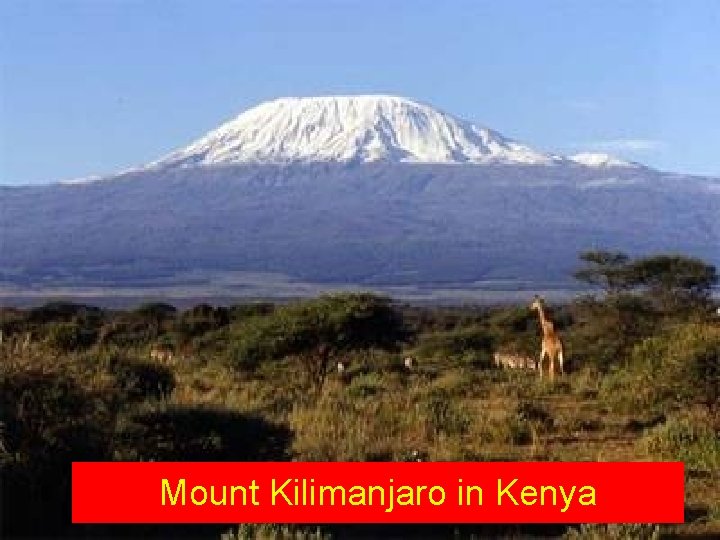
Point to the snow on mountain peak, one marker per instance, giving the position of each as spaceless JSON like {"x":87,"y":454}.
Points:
{"x":351,"y":129}
{"x":596,"y":159}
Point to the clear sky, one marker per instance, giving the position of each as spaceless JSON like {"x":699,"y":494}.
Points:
{"x":94,"y":86}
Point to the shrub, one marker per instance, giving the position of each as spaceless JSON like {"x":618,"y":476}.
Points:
{"x":365,"y":385}
{"x":605,"y":331}
{"x":691,"y":438}
{"x":316,"y":330}
{"x":238,"y":312}
{"x":456,"y":344}
{"x":534,"y":413}
{"x":126,"y":331}
{"x":69,"y":336}
{"x":678,"y":368}
{"x":200,"y":434}
{"x":445,"y":416}
{"x":198,"y":321}
{"x":138,"y":380}
{"x":64,"y":311}
{"x":49,"y":422}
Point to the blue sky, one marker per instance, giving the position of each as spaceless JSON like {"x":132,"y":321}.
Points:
{"x":94,"y":86}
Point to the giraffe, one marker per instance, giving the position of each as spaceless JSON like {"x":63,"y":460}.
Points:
{"x":552,"y":346}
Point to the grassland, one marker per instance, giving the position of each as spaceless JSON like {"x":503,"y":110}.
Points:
{"x":85,"y":387}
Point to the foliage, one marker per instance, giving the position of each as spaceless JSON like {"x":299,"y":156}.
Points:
{"x":674,"y":282}
{"x":318,"y":329}
{"x":69,"y":336}
{"x":155,"y":315}
{"x":127,"y":331}
{"x":139,"y":380}
{"x":64,"y":311}
{"x":445,"y":416}
{"x":605,"y":269}
{"x":693,"y":438}
{"x":605,"y":331}
{"x":239,"y":312}
{"x":198,"y":321}
{"x":49,"y":420}
{"x":679,"y":367}
{"x":178,"y":433}
{"x":460,"y":343}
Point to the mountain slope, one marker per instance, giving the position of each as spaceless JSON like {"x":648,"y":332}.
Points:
{"x":375,"y":224}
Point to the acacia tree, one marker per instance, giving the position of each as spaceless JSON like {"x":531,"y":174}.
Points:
{"x":675,"y":282}
{"x":317,"y":331}
{"x":604,"y":269}
{"x":637,"y":294}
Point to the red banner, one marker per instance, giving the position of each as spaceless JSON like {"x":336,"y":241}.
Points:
{"x":534,"y":492}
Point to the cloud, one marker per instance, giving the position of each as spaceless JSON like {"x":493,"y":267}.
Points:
{"x":625,"y":145}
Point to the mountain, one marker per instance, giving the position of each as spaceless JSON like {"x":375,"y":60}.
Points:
{"x":368,"y":190}
{"x":351,"y":129}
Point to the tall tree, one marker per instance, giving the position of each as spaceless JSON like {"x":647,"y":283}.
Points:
{"x":674,"y":281}
{"x":316,"y":331}
{"x":604,"y":269}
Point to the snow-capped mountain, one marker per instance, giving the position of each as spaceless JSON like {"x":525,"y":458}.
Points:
{"x":358,"y":129}
{"x":349,"y":190}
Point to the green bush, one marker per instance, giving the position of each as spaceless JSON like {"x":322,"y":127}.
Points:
{"x":64,"y":311}
{"x":126,"y":331}
{"x":677,"y":368}
{"x":690,"y":438}
{"x":472,"y":345}
{"x":49,"y":421}
{"x":139,"y":380}
{"x":339,"y":322}
{"x":534,"y":413}
{"x":69,"y":336}
{"x":365,"y":385}
{"x":445,"y":416}
{"x":198,"y":321}
{"x":605,"y":331}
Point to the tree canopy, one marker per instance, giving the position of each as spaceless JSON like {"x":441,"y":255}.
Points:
{"x":333,"y":323}
{"x":673,"y":280}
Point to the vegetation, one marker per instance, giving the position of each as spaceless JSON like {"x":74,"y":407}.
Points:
{"x":258,"y":382}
